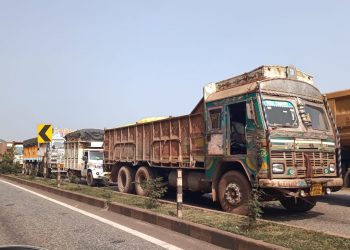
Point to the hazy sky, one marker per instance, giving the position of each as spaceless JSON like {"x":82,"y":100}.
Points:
{"x":99,"y":64}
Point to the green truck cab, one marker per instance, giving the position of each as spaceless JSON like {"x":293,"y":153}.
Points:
{"x":270,"y":129}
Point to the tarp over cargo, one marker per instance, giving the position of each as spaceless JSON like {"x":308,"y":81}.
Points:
{"x":30,"y":142}
{"x":85,"y":135}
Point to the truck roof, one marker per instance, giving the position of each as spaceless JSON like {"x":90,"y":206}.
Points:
{"x":261,"y":73}
{"x":30,"y":142}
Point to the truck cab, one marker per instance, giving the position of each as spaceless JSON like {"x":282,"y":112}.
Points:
{"x":93,"y":161}
{"x":272,"y":127}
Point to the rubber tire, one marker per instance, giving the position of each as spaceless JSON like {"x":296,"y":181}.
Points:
{"x":142,"y":174}
{"x":70,"y":174}
{"x":126,"y":179}
{"x":245,"y":188}
{"x":48,"y":173}
{"x":30,"y":169}
{"x":301,"y":205}
{"x":347,"y":178}
{"x":114,"y":173}
{"x":90,"y":180}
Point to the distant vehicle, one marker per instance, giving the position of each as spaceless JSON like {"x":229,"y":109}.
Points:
{"x":17,"y":148}
{"x":45,"y":158}
{"x":340,"y":104}
{"x":18,"y":152}
{"x":84,"y":155}
{"x":268,"y":128}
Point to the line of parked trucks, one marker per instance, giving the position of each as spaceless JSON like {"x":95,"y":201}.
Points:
{"x":269,"y":128}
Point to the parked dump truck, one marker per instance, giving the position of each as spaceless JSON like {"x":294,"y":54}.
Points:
{"x":340,"y":104}
{"x":268,"y":129}
{"x":84,"y":155}
{"x":32,"y":162}
{"x":45,"y":158}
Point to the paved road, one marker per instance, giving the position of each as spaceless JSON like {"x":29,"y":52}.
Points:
{"x":331,"y":214}
{"x":27,"y":219}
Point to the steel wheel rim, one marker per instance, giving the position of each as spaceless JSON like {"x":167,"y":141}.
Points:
{"x":233,"y":194}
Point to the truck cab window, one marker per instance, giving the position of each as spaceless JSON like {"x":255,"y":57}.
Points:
{"x":237,"y":128}
{"x":215,"y":119}
{"x":318,"y":117}
{"x":280,"y":113}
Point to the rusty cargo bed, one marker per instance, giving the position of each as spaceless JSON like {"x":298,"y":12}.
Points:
{"x":171,"y":142}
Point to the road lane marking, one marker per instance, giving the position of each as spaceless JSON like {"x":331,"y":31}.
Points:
{"x":101,"y":219}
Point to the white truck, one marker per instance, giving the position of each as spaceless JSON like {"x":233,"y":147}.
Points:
{"x":53,"y":153}
{"x":84,"y":155}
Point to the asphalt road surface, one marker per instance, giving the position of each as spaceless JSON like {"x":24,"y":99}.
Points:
{"x":26,"y":219}
{"x":331,"y":214}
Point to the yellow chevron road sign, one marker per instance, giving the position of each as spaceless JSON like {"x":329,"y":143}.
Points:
{"x":44,"y":133}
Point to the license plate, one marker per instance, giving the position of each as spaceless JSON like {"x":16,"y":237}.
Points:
{"x":316,"y":189}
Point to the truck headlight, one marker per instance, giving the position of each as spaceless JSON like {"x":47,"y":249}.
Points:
{"x":332,"y":168}
{"x":278,"y":168}
{"x":97,"y":173}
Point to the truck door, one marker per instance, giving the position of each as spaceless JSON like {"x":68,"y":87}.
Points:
{"x":85,"y":161}
{"x":215,"y":135}
{"x":237,"y":128}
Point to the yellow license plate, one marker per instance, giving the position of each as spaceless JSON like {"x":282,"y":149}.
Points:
{"x":316,"y":189}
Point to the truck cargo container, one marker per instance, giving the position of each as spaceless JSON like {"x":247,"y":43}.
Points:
{"x":84,"y":155}
{"x":32,"y":162}
{"x":340,"y":104}
{"x":268,"y":129}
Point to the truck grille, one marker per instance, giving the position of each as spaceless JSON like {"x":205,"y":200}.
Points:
{"x":317,"y":160}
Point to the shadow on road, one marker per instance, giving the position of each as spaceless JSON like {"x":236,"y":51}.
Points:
{"x":336,"y":199}
{"x":275,"y":212}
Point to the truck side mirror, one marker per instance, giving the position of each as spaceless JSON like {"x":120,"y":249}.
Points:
{"x":85,"y":159}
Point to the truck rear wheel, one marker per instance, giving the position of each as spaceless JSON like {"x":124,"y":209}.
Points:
{"x":125,"y":180}
{"x":114,"y":173}
{"x":234,"y":191}
{"x":299,"y":204}
{"x":143,"y":174}
{"x":90,"y":180}
{"x":347,"y":178}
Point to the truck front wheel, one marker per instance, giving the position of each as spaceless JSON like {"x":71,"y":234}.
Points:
{"x":143,"y":174}
{"x":234,"y":191}
{"x":298,"y":204}
{"x":125,"y":180}
{"x":90,"y":180}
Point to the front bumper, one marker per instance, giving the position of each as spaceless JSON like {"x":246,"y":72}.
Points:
{"x":98,"y":173}
{"x":300,"y":183}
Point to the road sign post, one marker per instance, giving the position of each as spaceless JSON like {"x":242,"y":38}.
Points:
{"x":44,"y":133}
{"x":179,"y":193}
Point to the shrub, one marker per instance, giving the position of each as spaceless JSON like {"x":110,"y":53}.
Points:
{"x":254,"y":208}
{"x":155,"y":190}
{"x":7,"y":166}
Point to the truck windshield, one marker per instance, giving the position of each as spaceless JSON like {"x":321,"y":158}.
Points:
{"x":95,"y":155}
{"x":57,"y":144}
{"x":280,"y":113}
{"x":318,"y":117}
{"x":18,"y":150}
